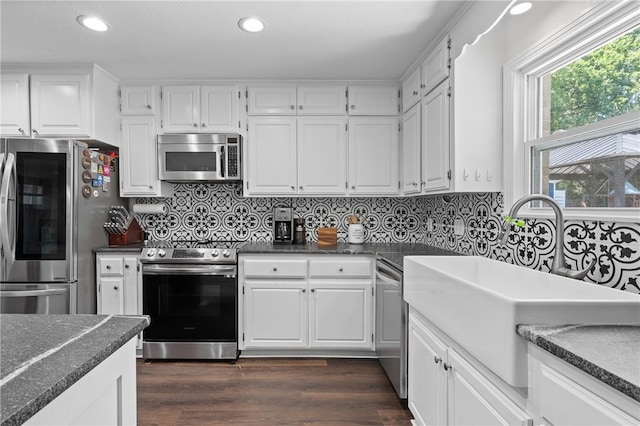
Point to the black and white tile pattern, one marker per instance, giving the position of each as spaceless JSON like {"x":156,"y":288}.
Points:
{"x":220,"y":212}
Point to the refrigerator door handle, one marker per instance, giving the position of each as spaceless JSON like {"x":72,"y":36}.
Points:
{"x":4,"y":209}
{"x":32,"y":293}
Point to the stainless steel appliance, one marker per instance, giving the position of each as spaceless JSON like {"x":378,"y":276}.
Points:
{"x":190,"y":292}
{"x":200,"y":157}
{"x":54,"y":198}
{"x":392,"y":315}
{"x":283,"y":230}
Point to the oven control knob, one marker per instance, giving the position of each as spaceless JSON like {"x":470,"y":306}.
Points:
{"x":226,"y":253}
{"x":151,"y":253}
{"x":162,"y":253}
{"x":215,"y":253}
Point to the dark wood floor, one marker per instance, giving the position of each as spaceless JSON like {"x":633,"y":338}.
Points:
{"x":267,"y":392}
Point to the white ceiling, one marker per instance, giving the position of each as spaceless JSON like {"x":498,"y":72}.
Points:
{"x":165,"y":40}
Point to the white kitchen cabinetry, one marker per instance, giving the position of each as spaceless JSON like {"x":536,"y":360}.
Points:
{"x":374,"y":100}
{"x":373,"y":156}
{"x":306,"y":303}
{"x":565,"y":395}
{"x":296,"y":100}
{"x":119,"y":285}
{"x":200,"y":109}
{"x":138,"y":100}
{"x":436,"y":66}
{"x":411,"y":91}
{"x":77,"y":101}
{"x":15,"y":119}
{"x":446,"y":389}
{"x":140,"y":178}
{"x":411,"y":150}
{"x":106,"y":395}
{"x":435,"y":139}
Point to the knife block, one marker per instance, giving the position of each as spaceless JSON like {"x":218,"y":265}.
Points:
{"x":133,"y":235}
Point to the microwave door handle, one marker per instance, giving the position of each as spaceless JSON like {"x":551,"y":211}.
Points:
{"x":222,"y":162}
{"x":5,"y":182}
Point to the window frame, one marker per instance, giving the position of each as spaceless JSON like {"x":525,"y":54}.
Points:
{"x":603,"y":22}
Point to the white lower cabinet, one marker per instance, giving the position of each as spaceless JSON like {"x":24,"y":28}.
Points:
{"x":306,"y":302}
{"x":119,"y":285}
{"x":446,"y":389}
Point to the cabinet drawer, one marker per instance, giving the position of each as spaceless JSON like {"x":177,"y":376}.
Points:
{"x":340,"y":268}
{"x":275,"y":268}
{"x":111,"y":266}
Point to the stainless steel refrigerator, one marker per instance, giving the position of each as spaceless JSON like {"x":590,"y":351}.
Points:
{"x":54,"y":198}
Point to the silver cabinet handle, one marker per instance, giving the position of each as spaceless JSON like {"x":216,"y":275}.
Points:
{"x":275,"y":269}
{"x":293,"y":187}
{"x":353,"y":187}
{"x":300,"y":187}
{"x":115,"y":287}
{"x":204,"y":124}
{"x":34,"y":131}
{"x":414,"y":183}
{"x":422,"y":86}
{"x":340,"y":269}
{"x":126,"y":266}
{"x":108,"y":266}
{"x":21,"y":130}
{"x":301,"y":107}
{"x":446,"y":366}
{"x":437,"y":359}
{"x":195,"y":124}
{"x":313,"y":290}
{"x":304,"y":290}
{"x":148,"y":106}
{"x":353,"y":107}
{"x":415,"y":92}
{"x":292,"y":107}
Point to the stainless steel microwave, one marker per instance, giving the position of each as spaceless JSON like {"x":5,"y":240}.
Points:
{"x":200,"y":157}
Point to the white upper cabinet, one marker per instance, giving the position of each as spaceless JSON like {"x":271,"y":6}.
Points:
{"x":271,"y":156}
{"x":322,"y":100}
{"x":200,"y":109}
{"x":411,"y":90}
{"x":436,"y":66}
{"x":138,"y":100}
{"x":271,"y":100}
{"x":15,"y":119}
{"x":78,"y":101}
{"x":435,"y":139}
{"x":373,"y":156}
{"x":374,"y":100}
{"x":322,"y":155}
{"x":411,"y":144}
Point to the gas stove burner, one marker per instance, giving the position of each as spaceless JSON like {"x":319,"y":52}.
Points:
{"x":191,"y":251}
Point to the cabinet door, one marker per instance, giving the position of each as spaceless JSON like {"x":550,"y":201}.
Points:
{"x":131,"y":303}
{"x":473,"y":400}
{"x":322,"y":156}
{"x":322,"y":100}
{"x":340,"y":314}
{"x":138,"y":100}
{"x":272,"y":156}
{"x":138,"y":158}
{"x":374,"y":100}
{"x":427,"y":384}
{"x":219,"y":109}
{"x":14,"y":105}
{"x":411,"y":151}
{"x":373,"y":156}
{"x":411,"y":90}
{"x":436,"y":66}
{"x":275,"y":314}
{"x":279,"y":100}
{"x":60,"y":105}
{"x":435,"y":139}
{"x":180,"y":108}
{"x":111,"y":296}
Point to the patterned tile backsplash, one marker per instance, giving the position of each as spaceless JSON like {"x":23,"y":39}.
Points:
{"x":220,"y":212}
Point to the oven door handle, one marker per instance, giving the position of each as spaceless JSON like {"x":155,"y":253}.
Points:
{"x":228,"y":271}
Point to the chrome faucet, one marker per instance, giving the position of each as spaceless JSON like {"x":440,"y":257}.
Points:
{"x":559,"y":265}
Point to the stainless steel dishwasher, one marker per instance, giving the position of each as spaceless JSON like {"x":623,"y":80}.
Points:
{"x":391,"y":325}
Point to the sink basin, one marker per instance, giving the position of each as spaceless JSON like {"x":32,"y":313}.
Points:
{"x":478,"y":302}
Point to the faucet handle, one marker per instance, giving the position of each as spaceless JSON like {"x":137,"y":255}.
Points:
{"x":578,"y":274}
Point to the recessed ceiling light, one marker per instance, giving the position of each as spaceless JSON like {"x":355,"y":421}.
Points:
{"x":251,"y":24}
{"x":520,"y":8}
{"x":93,"y":23}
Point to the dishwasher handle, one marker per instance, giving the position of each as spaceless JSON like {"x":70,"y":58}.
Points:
{"x":388,"y":274}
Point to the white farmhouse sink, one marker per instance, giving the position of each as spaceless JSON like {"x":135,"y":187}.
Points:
{"x":478,"y":302}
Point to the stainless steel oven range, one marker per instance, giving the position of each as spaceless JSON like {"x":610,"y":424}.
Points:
{"x":190,"y":293}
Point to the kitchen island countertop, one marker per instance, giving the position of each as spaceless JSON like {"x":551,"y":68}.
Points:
{"x":607,"y":352}
{"x":43,"y":355}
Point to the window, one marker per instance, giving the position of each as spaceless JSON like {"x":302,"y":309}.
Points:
{"x":579,"y":117}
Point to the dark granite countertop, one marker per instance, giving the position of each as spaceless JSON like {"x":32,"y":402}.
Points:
{"x":609,"y":353}
{"x":392,"y":252}
{"x":134,"y":248}
{"x":43,"y":355}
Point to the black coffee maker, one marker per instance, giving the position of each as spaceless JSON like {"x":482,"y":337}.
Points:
{"x":283,"y":225}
